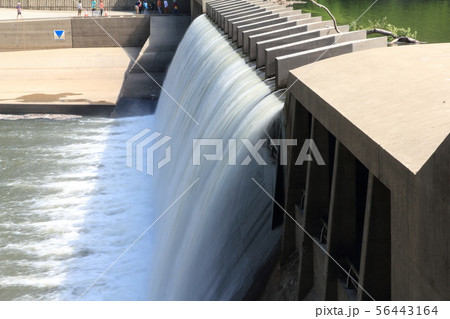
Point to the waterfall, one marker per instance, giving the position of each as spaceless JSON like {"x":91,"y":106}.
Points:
{"x":212,"y":242}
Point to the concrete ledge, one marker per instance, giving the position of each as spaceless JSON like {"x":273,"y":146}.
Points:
{"x":285,"y":63}
{"x":243,"y":13}
{"x":246,"y":34}
{"x":244,"y":9}
{"x":248,"y":17}
{"x":101,"y":110}
{"x":256,"y":25}
{"x":300,"y":32}
{"x":211,"y":5}
{"x":220,"y":11}
{"x":229,"y":8}
{"x":309,"y":44}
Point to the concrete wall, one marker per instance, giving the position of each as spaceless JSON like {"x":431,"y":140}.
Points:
{"x":197,"y":8}
{"x":126,"y":31}
{"x":79,"y":33}
{"x":34,"y":35}
{"x":184,"y":6}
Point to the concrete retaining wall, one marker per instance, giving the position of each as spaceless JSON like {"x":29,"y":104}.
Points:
{"x":130,"y":31}
{"x":126,"y":31}
{"x":34,"y":35}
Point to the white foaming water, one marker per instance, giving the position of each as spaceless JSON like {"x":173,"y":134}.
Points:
{"x":69,"y":207}
{"x":218,"y":235}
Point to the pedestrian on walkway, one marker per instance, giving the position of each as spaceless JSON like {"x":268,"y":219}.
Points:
{"x":175,"y":7}
{"x":152,"y":7}
{"x":145,"y":5}
{"x":93,"y":6}
{"x":80,"y":8}
{"x":137,"y":6}
{"x":166,"y":7}
{"x":101,"y":7}
{"x":158,"y":4}
{"x":19,"y":10}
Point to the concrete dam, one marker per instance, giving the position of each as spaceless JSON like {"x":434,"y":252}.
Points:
{"x":257,"y":80}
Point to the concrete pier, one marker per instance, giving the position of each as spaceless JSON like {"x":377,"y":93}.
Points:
{"x":390,"y":175}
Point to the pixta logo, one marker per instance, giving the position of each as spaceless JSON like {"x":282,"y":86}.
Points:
{"x":309,"y":149}
{"x":141,"y":149}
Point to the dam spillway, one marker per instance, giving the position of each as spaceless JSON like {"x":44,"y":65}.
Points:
{"x":216,"y":239}
{"x":384,"y":188}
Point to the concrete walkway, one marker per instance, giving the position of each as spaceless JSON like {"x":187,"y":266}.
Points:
{"x":10,"y":14}
{"x":62,"y":78}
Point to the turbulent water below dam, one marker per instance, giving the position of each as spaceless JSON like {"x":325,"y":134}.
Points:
{"x":69,"y":205}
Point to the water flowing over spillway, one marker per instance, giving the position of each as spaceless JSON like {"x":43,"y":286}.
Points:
{"x":218,"y":235}
{"x":69,"y":205}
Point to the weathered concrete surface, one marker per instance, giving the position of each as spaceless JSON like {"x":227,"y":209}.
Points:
{"x":403,"y":141}
{"x":305,"y":45}
{"x":291,"y":61}
{"x":75,"y":81}
{"x":260,"y":42}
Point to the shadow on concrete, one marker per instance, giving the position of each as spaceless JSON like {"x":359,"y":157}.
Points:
{"x":143,"y":80}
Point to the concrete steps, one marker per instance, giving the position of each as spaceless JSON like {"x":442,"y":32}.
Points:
{"x":280,"y":38}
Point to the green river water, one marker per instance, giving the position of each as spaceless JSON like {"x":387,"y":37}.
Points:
{"x":430,"y":18}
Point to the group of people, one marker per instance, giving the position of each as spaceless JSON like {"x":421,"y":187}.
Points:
{"x":93,"y":7}
{"x":141,"y":5}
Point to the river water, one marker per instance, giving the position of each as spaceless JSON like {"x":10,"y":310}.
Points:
{"x":68,"y":207}
{"x":430,"y":18}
